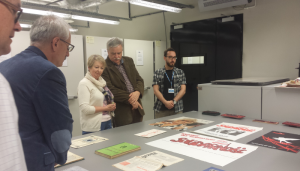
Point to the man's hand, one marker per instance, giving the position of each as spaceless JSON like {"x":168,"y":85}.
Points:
{"x":169,"y":104}
{"x":135,"y":105}
{"x":111,"y":107}
{"x":133,"y":97}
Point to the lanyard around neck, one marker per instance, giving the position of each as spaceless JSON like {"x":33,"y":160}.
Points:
{"x":169,"y":78}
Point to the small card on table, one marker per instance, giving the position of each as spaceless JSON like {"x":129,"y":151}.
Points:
{"x":150,"y":133}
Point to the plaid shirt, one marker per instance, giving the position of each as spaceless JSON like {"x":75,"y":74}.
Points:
{"x":179,"y":79}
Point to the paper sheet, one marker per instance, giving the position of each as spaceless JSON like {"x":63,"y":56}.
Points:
{"x":181,"y":123}
{"x":75,"y":168}
{"x":229,"y":131}
{"x":165,"y":159}
{"x":139,"y":57}
{"x":104,"y":53}
{"x":139,"y":164}
{"x":212,"y":150}
{"x":150,"y":133}
{"x":82,"y":142}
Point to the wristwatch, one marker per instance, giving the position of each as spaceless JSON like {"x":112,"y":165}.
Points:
{"x":174,"y":101}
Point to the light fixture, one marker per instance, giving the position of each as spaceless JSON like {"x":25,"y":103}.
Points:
{"x":63,"y":15}
{"x":153,"y":5}
{"x":73,"y":30}
{"x":25,"y":25}
{"x":29,"y":26}
{"x":98,"y":20}
{"x":41,"y":12}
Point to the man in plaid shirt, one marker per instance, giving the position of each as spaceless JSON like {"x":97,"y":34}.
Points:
{"x":169,"y":87}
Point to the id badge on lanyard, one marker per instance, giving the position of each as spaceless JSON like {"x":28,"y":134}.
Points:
{"x":170,"y":90}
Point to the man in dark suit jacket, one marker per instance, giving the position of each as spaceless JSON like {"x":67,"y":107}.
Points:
{"x":125,"y":83}
{"x":39,"y":89}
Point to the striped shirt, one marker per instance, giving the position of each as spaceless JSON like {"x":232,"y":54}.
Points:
{"x":121,"y":69}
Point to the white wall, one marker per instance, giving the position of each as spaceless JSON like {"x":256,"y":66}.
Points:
{"x":271,"y":32}
{"x":271,"y":35}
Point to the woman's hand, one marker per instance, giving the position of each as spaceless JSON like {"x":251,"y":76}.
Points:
{"x":111,"y":107}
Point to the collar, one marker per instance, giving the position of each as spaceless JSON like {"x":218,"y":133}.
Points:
{"x":174,"y":69}
{"x":37,"y":51}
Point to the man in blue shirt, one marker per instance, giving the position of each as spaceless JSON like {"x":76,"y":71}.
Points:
{"x":39,"y":89}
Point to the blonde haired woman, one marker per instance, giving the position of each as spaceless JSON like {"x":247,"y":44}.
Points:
{"x":95,"y":99}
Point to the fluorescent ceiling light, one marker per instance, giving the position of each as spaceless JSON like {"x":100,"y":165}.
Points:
{"x":153,"y":5}
{"x":29,"y":26}
{"x":76,"y":17}
{"x":41,"y":12}
{"x":25,"y":25}
{"x":73,"y":30}
{"x":98,"y":20}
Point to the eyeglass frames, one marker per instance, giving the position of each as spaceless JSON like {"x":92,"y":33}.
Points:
{"x":70,"y":47}
{"x":16,"y":10}
{"x":171,"y":57}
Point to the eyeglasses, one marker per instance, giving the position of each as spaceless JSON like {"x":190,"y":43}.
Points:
{"x":17,"y":11}
{"x":172,"y":57}
{"x":70,"y":47}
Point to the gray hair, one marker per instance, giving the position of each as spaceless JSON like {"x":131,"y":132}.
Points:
{"x":114,"y":42}
{"x":93,"y":58}
{"x":45,"y":28}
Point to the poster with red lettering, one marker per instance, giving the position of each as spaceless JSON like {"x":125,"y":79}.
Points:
{"x":208,"y":149}
{"x":229,"y":131}
{"x":279,"y":140}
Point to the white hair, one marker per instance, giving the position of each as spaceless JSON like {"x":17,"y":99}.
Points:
{"x":114,"y":42}
{"x":45,"y":28}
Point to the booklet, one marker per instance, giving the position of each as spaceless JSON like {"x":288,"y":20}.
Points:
{"x":150,"y":133}
{"x":181,"y":123}
{"x":89,"y":140}
{"x":165,"y":159}
{"x":278,"y":140}
{"x":70,"y":159}
{"x":117,"y":150}
{"x":139,"y":164}
{"x":228,"y":131}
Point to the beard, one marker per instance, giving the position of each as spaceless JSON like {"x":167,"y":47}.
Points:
{"x":170,"y":64}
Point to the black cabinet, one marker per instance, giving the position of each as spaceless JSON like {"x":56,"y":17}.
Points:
{"x":219,"y":43}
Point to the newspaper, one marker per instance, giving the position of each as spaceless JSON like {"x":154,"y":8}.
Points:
{"x":165,"y":159}
{"x":139,"y":164}
{"x":82,"y":142}
{"x":150,"y":133}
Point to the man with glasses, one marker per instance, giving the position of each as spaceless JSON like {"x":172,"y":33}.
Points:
{"x":169,"y":87}
{"x":11,"y":150}
{"x":39,"y":88}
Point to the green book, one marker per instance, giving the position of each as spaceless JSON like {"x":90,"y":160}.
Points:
{"x":117,"y":150}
